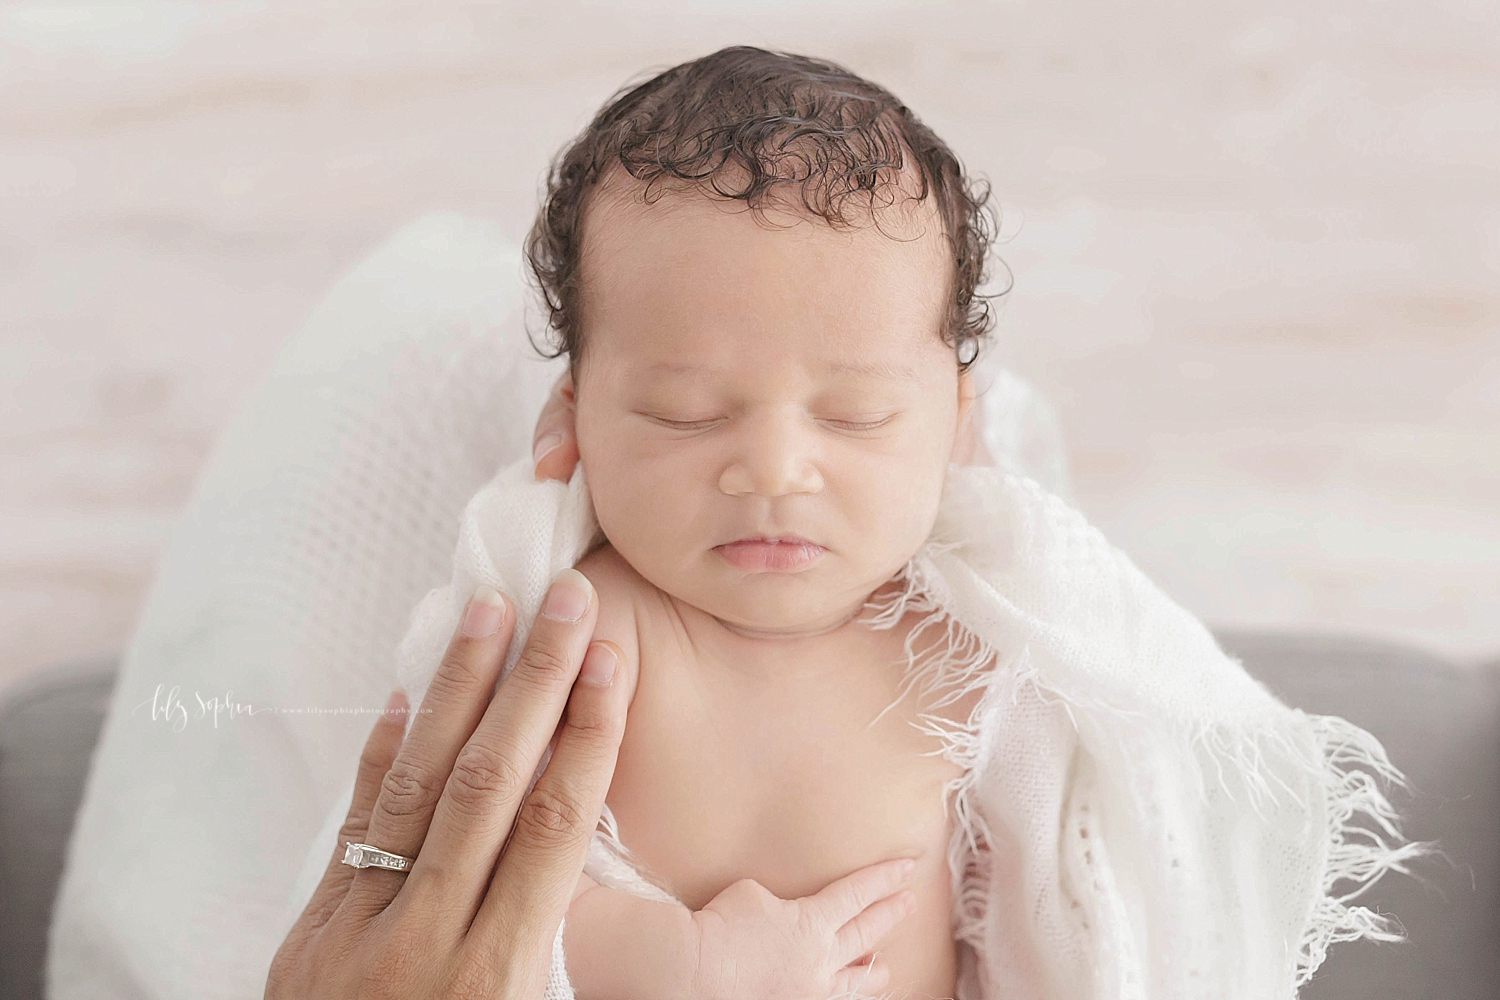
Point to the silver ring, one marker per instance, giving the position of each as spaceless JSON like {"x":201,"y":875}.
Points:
{"x":365,"y":856}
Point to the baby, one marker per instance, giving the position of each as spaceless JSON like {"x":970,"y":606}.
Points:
{"x":762,"y":269}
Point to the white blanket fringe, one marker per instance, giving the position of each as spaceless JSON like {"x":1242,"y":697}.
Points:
{"x":1364,"y":840}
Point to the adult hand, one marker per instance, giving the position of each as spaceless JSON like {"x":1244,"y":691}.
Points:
{"x":459,"y":924}
{"x":554,"y":442}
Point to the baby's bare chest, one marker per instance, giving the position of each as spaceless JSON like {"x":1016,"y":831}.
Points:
{"x":723,"y":776}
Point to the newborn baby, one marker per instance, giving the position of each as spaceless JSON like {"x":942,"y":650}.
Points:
{"x":766,"y":406}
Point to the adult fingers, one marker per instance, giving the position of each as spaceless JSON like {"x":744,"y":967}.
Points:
{"x":872,"y":924}
{"x":453,"y":704}
{"x":840,"y":900}
{"x":381,"y":747}
{"x":494,"y":770}
{"x":536,"y":876}
{"x":869,"y":977}
{"x":554,"y":443}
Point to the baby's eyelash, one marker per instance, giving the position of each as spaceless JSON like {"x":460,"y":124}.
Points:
{"x":683,"y":425}
{"x":866,"y":426}
{"x":693,"y":425}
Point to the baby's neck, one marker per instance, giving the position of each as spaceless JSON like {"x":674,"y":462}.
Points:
{"x":793,"y":632}
{"x":815,"y":653}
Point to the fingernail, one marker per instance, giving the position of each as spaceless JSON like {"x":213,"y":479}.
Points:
{"x":485,"y":612}
{"x":395,"y":703}
{"x":907,"y":867}
{"x":540,"y":450}
{"x":568,"y":597}
{"x":598,"y":666}
{"x":909,"y":903}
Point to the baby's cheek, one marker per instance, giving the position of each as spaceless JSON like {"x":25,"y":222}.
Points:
{"x":647,"y":521}
{"x":904,"y":505}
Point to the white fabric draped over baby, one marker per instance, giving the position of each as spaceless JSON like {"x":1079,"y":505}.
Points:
{"x":1136,"y":817}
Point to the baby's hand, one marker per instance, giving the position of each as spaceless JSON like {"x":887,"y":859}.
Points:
{"x":752,"y":945}
{"x":554,"y":441}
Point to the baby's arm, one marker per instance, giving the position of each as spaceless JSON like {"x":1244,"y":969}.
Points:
{"x":622,"y":947}
{"x":745,"y":944}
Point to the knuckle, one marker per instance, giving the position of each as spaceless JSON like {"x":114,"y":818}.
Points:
{"x":592,"y":722}
{"x":399,"y":962}
{"x":545,"y":665}
{"x":482,"y":774}
{"x":354,"y":829}
{"x":371,"y":759}
{"x":752,"y":889}
{"x":407,"y":789}
{"x":550,"y":818}
{"x":766,"y":904}
{"x":279,"y":977}
{"x":473,"y":980}
{"x":459,"y":671}
{"x":745,"y":891}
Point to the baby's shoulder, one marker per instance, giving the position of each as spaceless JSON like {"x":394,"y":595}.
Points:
{"x":619,"y":588}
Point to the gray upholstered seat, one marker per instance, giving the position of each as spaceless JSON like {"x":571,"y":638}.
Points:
{"x":1440,"y":722}
{"x":49,"y":722}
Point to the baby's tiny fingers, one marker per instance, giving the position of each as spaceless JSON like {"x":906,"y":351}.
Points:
{"x":872,"y":977}
{"x":554,"y":448}
{"x":837,"y":902}
{"x":872,"y":925}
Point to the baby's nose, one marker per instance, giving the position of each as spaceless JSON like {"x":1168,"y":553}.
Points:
{"x":772,"y":456}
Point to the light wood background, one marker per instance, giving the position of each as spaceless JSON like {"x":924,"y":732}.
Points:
{"x":1256,"y":250}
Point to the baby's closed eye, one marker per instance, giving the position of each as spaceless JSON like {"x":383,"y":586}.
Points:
{"x":853,"y":422}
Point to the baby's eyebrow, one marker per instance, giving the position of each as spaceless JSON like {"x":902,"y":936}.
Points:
{"x":883,"y":370}
{"x":877,"y":369}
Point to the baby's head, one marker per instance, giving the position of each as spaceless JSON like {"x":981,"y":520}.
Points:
{"x":763,"y":270}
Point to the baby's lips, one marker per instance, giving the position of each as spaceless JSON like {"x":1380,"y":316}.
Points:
{"x":787,"y":539}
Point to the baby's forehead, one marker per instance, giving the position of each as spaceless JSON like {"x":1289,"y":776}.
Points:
{"x":685,"y":245}
{"x":687,"y":276}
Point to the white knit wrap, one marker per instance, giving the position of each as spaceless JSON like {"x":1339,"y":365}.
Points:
{"x":1135,"y":816}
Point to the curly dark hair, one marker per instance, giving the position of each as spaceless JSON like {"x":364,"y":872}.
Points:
{"x":768,"y":119}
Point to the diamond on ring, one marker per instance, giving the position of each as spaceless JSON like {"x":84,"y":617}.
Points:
{"x":365,"y":856}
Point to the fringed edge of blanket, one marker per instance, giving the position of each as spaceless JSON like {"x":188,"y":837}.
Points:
{"x":959,"y":664}
{"x":1361,"y":831}
{"x":1365,"y":840}
{"x":1362,"y":827}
